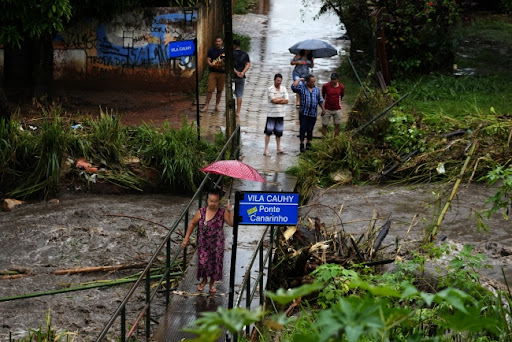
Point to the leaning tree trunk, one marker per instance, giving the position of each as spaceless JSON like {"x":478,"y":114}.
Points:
{"x":42,"y":67}
{"x":4,"y":105}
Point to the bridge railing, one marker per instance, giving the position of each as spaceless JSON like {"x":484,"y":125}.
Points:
{"x":171,"y":258}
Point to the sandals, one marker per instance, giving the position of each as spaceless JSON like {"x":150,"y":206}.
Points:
{"x":213,"y":290}
{"x":200,"y":287}
{"x":281,"y":152}
{"x":267,"y":154}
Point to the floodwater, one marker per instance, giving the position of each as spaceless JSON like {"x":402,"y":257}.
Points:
{"x":412,"y":210}
{"x":39,"y":238}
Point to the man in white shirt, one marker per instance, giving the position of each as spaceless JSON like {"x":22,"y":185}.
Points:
{"x":277,"y":98}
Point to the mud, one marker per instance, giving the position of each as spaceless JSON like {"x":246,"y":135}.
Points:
{"x":133,"y":107}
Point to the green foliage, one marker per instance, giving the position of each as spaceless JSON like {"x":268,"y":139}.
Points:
{"x":177,"y":153}
{"x":31,"y":19}
{"x":403,"y":134}
{"x":370,"y":307}
{"x":209,"y":325}
{"x":242,"y":7}
{"x":245,"y":41}
{"x":502,"y":199}
{"x":436,"y":96}
{"x":506,"y":6}
{"x":334,"y":280}
{"x":418,"y":35}
{"x":48,"y":333}
{"x":31,"y":161}
{"x":286,"y":296}
{"x":44,"y":157}
{"x":107,"y":137}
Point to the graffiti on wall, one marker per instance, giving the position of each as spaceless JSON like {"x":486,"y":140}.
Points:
{"x":133,"y":44}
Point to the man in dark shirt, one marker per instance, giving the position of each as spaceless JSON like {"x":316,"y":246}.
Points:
{"x":242,"y":64}
{"x":216,"y":78}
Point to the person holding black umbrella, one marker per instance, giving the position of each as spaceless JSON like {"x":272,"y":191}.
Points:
{"x":301,"y":70}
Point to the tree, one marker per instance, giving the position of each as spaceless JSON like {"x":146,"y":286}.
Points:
{"x":30,"y":23}
{"x":415,"y":32}
{"x":356,"y":17}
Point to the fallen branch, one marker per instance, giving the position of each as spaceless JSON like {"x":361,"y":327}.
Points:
{"x":98,"y":269}
{"x":139,"y":218}
{"x":454,"y":191}
{"x":407,"y":233}
{"x":14,"y":276}
{"x":71,"y":289}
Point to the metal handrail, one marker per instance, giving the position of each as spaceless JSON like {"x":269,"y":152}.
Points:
{"x":234,"y":141}
{"x":262,"y":261}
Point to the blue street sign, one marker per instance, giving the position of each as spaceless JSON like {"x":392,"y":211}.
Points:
{"x":262,"y":208}
{"x":181,"y":48}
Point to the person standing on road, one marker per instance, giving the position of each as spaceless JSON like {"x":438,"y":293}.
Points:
{"x":210,"y":239}
{"x":215,"y":59}
{"x":242,"y":64}
{"x":277,"y":98}
{"x":310,"y":99}
{"x":333,"y":93}
{"x":301,"y":69}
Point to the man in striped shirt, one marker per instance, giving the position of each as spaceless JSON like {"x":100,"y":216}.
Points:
{"x":310,"y":99}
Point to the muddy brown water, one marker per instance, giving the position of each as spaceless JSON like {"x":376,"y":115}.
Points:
{"x":39,"y":238}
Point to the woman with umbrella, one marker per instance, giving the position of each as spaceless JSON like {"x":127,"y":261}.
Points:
{"x":303,"y":61}
{"x":210,"y":239}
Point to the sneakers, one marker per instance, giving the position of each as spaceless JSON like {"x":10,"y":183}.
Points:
{"x":302,"y":149}
{"x":308,"y":146}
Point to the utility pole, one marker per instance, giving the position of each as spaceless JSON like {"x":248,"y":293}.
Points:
{"x":228,"y":50}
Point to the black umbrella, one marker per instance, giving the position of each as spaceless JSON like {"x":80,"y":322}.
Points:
{"x":318,"y":47}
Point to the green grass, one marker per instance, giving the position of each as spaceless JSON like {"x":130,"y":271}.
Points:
{"x":457,"y":97}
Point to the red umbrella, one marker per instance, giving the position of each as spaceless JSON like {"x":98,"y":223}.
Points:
{"x":235,"y":169}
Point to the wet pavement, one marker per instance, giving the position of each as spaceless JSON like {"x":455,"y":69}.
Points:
{"x":270,"y":39}
{"x":271,"y":35}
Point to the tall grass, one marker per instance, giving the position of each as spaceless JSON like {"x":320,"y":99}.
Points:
{"x":31,"y":161}
{"x":177,"y":153}
{"x":43,"y":155}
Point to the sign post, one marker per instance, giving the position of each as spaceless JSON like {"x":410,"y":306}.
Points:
{"x":260,"y":208}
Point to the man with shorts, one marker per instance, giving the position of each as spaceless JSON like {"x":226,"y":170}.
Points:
{"x":277,"y":99}
{"x":333,"y":93}
{"x":216,"y":77}
{"x":242,"y":64}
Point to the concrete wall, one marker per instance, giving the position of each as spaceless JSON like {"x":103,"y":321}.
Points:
{"x":133,"y":50}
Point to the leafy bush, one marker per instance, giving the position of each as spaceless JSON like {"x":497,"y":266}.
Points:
{"x":418,"y":34}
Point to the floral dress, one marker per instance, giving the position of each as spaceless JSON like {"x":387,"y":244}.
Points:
{"x":211,"y":245}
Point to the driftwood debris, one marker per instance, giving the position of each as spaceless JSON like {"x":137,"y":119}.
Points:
{"x":98,"y":269}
